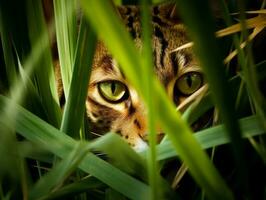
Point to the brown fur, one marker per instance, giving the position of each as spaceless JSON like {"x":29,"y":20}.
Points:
{"x":128,"y":118}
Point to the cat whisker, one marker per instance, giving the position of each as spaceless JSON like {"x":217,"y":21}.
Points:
{"x":184,"y":46}
{"x":196,"y":96}
{"x":179,"y":175}
{"x":100,"y":154}
{"x":94,"y":133}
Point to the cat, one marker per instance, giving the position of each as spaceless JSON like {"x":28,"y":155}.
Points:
{"x":113,"y":104}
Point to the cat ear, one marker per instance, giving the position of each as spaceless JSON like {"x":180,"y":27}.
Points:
{"x":168,"y":12}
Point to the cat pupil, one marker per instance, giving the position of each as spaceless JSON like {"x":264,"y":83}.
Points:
{"x":113,"y":86}
{"x":189,"y":80}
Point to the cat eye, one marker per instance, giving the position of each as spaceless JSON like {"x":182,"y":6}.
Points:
{"x":113,"y":91}
{"x":189,"y":83}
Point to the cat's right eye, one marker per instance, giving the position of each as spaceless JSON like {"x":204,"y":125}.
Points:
{"x":113,"y":91}
{"x":189,"y":83}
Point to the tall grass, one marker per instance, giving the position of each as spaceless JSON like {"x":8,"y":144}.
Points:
{"x":42,"y":148}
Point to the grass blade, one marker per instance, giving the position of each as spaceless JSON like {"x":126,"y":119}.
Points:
{"x":121,"y":155}
{"x":75,"y":103}
{"x":7,"y":49}
{"x":59,"y":173}
{"x":69,"y":191}
{"x":44,"y":72}
{"x":214,"y":136}
{"x":43,"y":134}
{"x":202,"y":32}
{"x":147,"y":71}
{"x":65,"y":24}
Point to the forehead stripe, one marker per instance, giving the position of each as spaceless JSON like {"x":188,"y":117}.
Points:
{"x":131,"y":27}
{"x":106,"y":63}
{"x":156,"y":10}
{"x":174,"y":62}
{"x":158,"y":21}
{"x":159,"y":34}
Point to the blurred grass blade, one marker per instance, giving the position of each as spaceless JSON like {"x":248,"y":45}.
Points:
{"x":39,"y":132}
{"x":17,"y":33}
{"x":7,"y":48}
{"x":44,"y":72}
{"x":59,"y":173}
{"x":125,"y":158}
{"x":31,"y":98}
{"x":112,"y":194}
{"x":66,"y":36}
{"x":202,"y":32}
{"x":189,"y":150}
{"x":121,"y":182}
{"x":69,"y":191}
{"x":121,"y":154}
{"x":75,"y":103}
{"x":214,"y":136}
{"x":105,"y":22}
{"x":147,"y":71}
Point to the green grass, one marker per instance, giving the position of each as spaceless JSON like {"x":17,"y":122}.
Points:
{"x":42,"y":148}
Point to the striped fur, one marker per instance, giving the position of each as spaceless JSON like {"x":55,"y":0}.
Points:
{"x":128,"y":117}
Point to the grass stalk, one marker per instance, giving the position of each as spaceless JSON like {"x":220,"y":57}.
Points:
{"x":249,"y":70}
{"x":61,"y":145}
{"x":202,"y":32}
{"x":44,"y":73}
{"x":147,"y":71}
{"x":75,"y":103}
{"x":66,"y":35}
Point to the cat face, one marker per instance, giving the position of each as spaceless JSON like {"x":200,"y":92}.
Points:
{"x":114,"y":105}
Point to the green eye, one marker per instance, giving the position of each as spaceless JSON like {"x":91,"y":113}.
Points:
{"x":189,"y":83}
{"x":112,"y":91}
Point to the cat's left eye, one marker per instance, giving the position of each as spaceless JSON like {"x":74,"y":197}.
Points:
{"x":113,"y":91}
{"x":189,"y":83}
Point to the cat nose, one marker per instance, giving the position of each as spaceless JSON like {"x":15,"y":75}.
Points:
{"x":159,"y":137}
{"x":140,"y":145}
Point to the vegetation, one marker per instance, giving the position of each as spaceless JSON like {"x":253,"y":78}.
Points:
{"x":47,"y":153}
